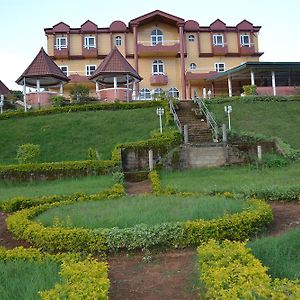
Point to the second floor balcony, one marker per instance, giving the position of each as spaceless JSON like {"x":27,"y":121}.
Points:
{"x":247,"y":49}
{"x":164,"y":48}
{"x":159,"y":79}
{"x":220,"y":49}
{"x":61,"y":52}
{"x":89,"y":52}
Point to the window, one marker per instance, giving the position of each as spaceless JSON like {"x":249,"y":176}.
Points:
{"x":157,"y":92}
{"x":173,"y":92}
{"x":145,"y":94}
{"x":158,"y":67}
{"x":191,"y":38}
{"x":245,"y":40}
{"x":157,"y":37}
{"x":64,"y":70}
{"x":61,"y":43}
{"x":89,"y":42}
{"x":218,"y":40}
{"x":193,"y":66}
{"x":90,"y":70}
{"x":219,"y":67}
{"x":118,"y":41}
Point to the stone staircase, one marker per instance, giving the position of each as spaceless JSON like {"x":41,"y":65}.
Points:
{"x":198,"y":131}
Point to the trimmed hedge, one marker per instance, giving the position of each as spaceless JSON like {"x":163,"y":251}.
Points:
{"x":229,"y":271}
{"x":82,"y":280}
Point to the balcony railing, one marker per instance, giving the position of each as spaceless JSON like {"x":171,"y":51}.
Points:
{"x":220,"y":49}
{"x":246,"y":49}
{"x":159,"y":79}
{"x":166,"y":48}
{"x":89,"y":51}
{"x":61,"y":51}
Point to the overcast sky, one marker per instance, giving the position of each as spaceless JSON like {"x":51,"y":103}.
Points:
{"x":22,"y":23}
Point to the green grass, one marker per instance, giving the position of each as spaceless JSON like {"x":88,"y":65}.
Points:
{"x":88,"y":185}
{"x":280,"y":254}
{"x":279,"y":119}
{"x":236,"y":179}
{"x":129,"y":211}
{"x":23,"y":279}
{"x":67,"y":136}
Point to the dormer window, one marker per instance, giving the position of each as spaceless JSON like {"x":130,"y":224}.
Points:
{"x":61,"y":42}
{"x":218,"y":40}
{"x":245,"y":40}
{"x":191,"y":38}
{"x":118,"y":41}
{"x":157,"y":37}
{"x":89,"y":42}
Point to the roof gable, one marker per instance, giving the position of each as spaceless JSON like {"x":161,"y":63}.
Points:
{"x":244,"y":25}
{"x":89,"y":26}
{"x":217,"y":25}
{"x":61,"y":27}
{"x":4,"y":90}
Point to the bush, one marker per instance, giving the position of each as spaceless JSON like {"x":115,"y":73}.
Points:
{"x":57,"y":101}
{"x":79,"y":93}
{"x":250,"y":90}
{"x":118,"y":177}
{"x":92,"y":154}
{"x":28,"y":153}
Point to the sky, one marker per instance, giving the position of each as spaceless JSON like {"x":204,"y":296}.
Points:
{"x":22,"y":24}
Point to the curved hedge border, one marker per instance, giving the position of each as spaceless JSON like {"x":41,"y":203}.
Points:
{"x":229,"y":271}
{"x":82,"y":280}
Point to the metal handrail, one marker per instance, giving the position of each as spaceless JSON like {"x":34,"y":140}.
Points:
{"x":209,"y":118}
{"x":175,"y":116}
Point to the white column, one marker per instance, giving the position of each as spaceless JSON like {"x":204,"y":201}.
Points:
{"x":150,"y":156}
{"x":229,"y":87}
{"x":134,"y":91}
{"x":61,"y":89}
{"x":274,"y":83}
{"x":252,"y":78}
{"x":97,"y":86}
{"x":115,"y":82}
{"x":38,"y":91}
{"x":24,"y":93}
{"x":127,"y":88}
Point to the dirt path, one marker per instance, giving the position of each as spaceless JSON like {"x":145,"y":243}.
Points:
{"x":135,"y":188}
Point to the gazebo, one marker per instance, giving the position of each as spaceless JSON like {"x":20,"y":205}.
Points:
{"x":116,"y":77}
{"x":41,"y":73}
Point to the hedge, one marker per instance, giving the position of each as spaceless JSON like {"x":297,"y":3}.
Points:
{"x":229,"y":271}
{"x":82,"y":279}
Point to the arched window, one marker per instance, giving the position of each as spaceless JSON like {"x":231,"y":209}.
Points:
{"x":157,"y":37}
{"x":157,"y":92}
{"x":118,"y":41}
{"x":193,"y":66}
{"x":191,"y":38}
{"x":173,"y":92}
{"x":145,"y":94}
{"x":158,"y":67}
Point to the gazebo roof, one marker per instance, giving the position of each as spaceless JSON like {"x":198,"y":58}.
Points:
{"x":4,"y":90}
{"x":44,"y":69}
{"x":114,"y":65}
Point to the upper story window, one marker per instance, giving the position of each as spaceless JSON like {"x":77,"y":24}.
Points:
{"x":157,"y":37}
{"x":90,"y":70}
{"x":218,"y":40}
{"x":158,"y":67}
{"x":89,"y":42}
{"x":191,"y":38}
{"x":219,"y":67}
{"x":145,"y":94}
{"x":65,"y":70}
{"x":173,"y":92}
{"x":193,"y":66}
{"x":245,"y":40}
{"x":118,"y":41}
{"x":61,"y":42}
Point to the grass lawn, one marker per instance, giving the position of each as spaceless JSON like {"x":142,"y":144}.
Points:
{"x":23,"y":279}
{"x":88,"y":185}
{"x":129,"y":211}
{"x":280,"y":254}
{"x":236,"y":179}
{"x":67,"y":136}
{"x":279,"y":119}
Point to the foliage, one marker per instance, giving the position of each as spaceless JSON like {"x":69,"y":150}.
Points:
{"x":79,"y":93}
{"x":28,"y":153}
{"x":92,"y":154}
{"x":271,"y":160}
{"x":118,"y":177}
{"x":155,"y":182}
{"x":250,"y":90}
{"x":57,"y":101}
{"x":230,"y":271}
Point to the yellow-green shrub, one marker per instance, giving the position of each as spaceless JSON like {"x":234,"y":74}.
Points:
{"x":155,"y":182}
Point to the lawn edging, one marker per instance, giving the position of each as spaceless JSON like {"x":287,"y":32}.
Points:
{"x":229,"y":270}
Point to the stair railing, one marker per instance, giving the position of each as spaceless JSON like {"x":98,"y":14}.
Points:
{"x":209,"y":118}
{"x":175,"y":116}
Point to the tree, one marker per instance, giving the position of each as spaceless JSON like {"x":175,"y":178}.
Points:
{"x":79,"y":93}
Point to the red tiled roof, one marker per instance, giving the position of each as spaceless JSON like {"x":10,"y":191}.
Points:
{"x":4,"y":90}
{"x":43,"y":66}
{"x":115,"y":63}
{"x":78,"y":78}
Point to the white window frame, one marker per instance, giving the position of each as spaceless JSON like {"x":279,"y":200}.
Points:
{"x":58,"y":42}
{"x":218,"y":39}
{"x":191,"y":38}
{"x":118,"y":40}
{"x":173,"y":92}
{"x":157,"y":92}
{"x":242,"y":40}
{"x":157,"y":37}
{"x":145,"y":94}
{"x":87,"y":43}
{"x":217,"y":67}
{"x":66,"y":71}
{"x":193,"y":66}
{"x":88,"y":71}
{"x":158,"y":67}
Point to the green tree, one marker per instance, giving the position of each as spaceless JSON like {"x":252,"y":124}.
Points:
{"x":28,"y":153}
{"x":79,"y":93}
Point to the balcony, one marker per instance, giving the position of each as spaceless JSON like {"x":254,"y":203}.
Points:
{"x":159,"y":79}
{"x":220,"y":49}
{"x":61,"y":52}
{"x":247,"y":49}
{"x":89,"y":52}
{"x":166,"y":48}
